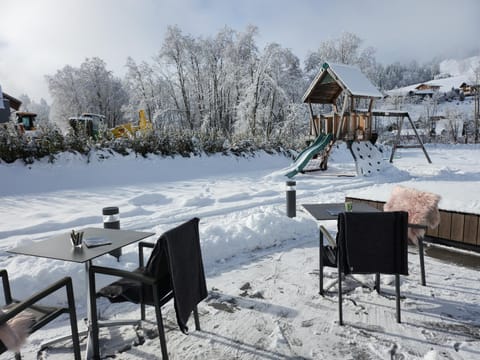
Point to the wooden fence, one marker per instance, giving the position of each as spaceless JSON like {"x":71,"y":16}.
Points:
{"x":458,"y":229}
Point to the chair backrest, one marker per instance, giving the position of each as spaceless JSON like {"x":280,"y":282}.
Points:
{"x":422,"y":208}
{"x":181,"y":247}
{"x":373,"y":242}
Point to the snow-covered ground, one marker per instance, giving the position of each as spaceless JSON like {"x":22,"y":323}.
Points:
{"x":261,"y":266}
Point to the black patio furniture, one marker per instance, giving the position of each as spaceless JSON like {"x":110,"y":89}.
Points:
{"x":60,"y":247}
{"x":174,"y":271}
{"x":371,"y":243}
{"x":330,"y":211}
{"x":40,"y":315}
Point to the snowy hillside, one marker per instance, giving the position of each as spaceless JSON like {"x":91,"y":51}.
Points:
{"x":447,"y":105}
{"x":460,"y":67}
{"x":452,"y":74}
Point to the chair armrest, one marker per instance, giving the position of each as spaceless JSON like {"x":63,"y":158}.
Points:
{"x":24,"y":304}
{"x":94,"y":269}
{"x":141,"y":245}
{"x":7,"y":294}
{"x":329,"y":236}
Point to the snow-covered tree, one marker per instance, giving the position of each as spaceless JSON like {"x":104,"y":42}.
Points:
{"x":273,"y":86}
{"x":344,"y":50}
{"x":173,"y":59}
{"x":90,"y":88}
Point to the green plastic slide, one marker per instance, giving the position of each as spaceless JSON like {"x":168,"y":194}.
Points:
{"x":308,"y":153}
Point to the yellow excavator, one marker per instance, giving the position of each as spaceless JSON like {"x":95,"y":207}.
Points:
{"x":131,"y":130}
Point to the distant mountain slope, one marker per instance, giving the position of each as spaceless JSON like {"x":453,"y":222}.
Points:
{"x":460,"y":67}
{"x":458,"y":72}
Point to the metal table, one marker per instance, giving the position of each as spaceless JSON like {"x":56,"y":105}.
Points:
{"x":60,"y":248}
{"x":330,"y":211}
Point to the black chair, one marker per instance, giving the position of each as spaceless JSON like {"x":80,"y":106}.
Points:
{"x":174,"y":270}
{"x":41,"y":315}
{"x":367,"y":243}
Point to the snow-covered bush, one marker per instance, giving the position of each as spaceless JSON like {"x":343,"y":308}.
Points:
{"x":48,"y":141}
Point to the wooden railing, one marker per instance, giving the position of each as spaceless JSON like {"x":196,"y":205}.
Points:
{"x":458,"y":229}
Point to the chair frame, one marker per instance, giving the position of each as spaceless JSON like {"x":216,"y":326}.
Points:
{"x":421,"y":255}
{"x":19,"y":306}
{"x":324,"y":233}
{"x":145,"y":280}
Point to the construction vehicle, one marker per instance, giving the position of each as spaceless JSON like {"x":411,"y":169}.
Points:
{"x":90,"y":124}
{"x":87,"y":123}
{"x":130,"y":130}
{"x":25,"y":123}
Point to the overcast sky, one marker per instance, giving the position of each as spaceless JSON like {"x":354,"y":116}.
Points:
{"x":39,"y":37}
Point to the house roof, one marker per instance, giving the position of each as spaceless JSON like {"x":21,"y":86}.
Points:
{"x":335,"y":78}
{"x":427,"y":86}
{"x":14,"y":103}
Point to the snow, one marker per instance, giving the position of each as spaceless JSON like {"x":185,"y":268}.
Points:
{"x":261,"y":266}
{"x":456,"y":73}
{"x":356,"y":82}
{"x":445,"y":85}
{"x":456,"y":67}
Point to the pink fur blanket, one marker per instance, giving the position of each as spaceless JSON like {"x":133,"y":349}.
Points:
{"x":14,"y":332}
{"x":422,"y":208}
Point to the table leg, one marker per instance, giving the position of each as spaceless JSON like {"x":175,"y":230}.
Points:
{"x":93,"y":349}
{"x":320,"y":263}
{"x":91,"y":340}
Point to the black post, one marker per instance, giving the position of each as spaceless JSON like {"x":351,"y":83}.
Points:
{"x":291,"y":198}
{"x":111,"y":220}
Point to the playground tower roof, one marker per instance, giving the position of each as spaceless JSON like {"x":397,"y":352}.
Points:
{"x":333,"y":79}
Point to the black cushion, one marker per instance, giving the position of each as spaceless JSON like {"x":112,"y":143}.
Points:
{"x":186,"y":267}
{"x":373,"y":242}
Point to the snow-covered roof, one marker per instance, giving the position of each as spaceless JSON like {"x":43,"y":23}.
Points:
{"x":333,"y":79}
{"x":355,"y":81}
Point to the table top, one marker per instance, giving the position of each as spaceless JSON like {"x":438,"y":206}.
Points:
{"x":330,"y":211}
{"x":60,"y":247}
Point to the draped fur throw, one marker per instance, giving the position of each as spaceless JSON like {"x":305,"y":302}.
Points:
{"x":15,"y":331}
{"x":422,"y":208}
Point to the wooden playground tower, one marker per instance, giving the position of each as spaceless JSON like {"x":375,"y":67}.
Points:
{"x":353,"y":121}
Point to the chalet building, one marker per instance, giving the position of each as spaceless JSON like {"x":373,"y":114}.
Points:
{"x":427,"y":87}
{"x":424,"y":90}
{"x":468,"y":89}
{"x":7,"y":104}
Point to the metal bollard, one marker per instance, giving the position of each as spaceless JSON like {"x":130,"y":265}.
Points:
{"x":291,"y":198}
{"x":111,"y":220}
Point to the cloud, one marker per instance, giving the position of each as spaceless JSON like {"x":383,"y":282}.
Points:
{"x":40,"y":37}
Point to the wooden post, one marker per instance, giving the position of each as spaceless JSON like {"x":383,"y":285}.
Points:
{"x":369,"y":121}
{"x":351,"y":120}
{"x":342,"y":120}
{"x":312,"y":121}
